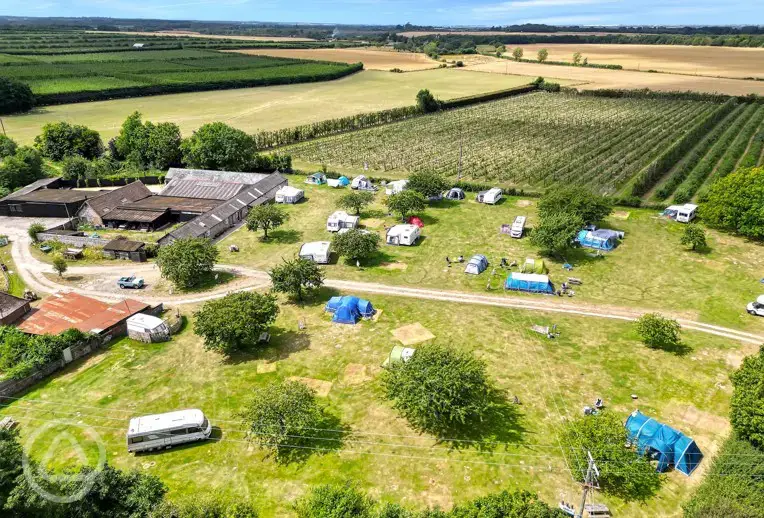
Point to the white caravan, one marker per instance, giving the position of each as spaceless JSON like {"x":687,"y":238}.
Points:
{"x":317,"y":251}
{"x":686,"y":213}
{"x":395,"y":187}
{"x":491,"y":196}
{"x":289,"y":194}
{"x":161,"y":431}
{"x":518,"y":226}
{"x":406,"y":235}
{"x":341,"y":219}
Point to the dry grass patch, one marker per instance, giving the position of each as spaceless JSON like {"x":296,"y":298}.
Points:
{"x":355,"y":374}
{"x":413,"y":334}
{"x":321,"y":387}
{"x":372,"y":59}
{"x":394,"y":266}
{"x":524,"y":203}
{"x":373,"y":222}
{"x":265,"y":368}
{"x":621,"y":214}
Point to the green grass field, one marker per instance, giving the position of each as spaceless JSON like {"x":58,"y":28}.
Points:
{"x":266,"y":108}
{"x":378,"y":450}
{"x":15,"y":286}
{"x":650,"y":269}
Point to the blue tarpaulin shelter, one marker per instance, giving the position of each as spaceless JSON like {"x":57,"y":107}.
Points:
{"x":669,"y":446}
{"x":530,"y":282}
{"x":349,"y":309}
{"x":600,"y":239}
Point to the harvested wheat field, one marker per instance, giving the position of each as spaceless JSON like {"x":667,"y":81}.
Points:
{"x":372,"y":59}
{"x":705,"y":61}
{"x":414,"y":34}
{"x":210,"y":36}
{"x":594,"y":78}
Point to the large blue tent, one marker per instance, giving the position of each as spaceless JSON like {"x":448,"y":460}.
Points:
{"x":600,"y":239}
{"x":530,"y":282}
{"x":669,"y":446}
{"x":349,"y":309}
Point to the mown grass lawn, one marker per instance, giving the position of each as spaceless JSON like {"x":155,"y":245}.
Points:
{"x":649,"y":270}
{"x":554,"y":379}
{"x":15,"y":285}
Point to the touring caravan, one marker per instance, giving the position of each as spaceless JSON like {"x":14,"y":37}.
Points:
{"x":318,"y":251}
{"x":686,"y":213}
{"x":289,"y":194}
{"x":341,"y":219}
{"x":518,"y":226}
{"x":405,"y":235}
{"x":160,"y":431}
{"x":491,"y":196}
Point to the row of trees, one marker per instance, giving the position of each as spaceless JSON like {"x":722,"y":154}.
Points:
{"x":20,"y":353}
{"x":19,"y":166}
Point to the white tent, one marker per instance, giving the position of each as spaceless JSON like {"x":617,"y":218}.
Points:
{"x":316,"y":251}
{"x":362,"y":183}
{"x":395,"y":187}
{"x":341,"y":219}
{"x":289,"y":194}
{"x":147,"y":328}
{"x":406,"y":235}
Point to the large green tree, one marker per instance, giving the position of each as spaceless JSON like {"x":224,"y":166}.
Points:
{"x":221,"y":147}
{"x":334,"y":501}
{"x":76,"y":168}
{"x":623,"y":472}
{"x":734,"y":203}
{"x":235,"y":322}
{"x":406,"y":203}
{"x":427,"y":183}
{"x":22,"y":168}
{"x":575,"y":201}
{"x":7,"y":146}
{"x":61,"y":139}
{"x":355,"y":200}
{"x":15,"y":96}
{"x":10,"y":462}
{"x":426,"y":101}
{"x":148,"y":145}
{"x":554,"y":233}
{"x":280,"y":416}
{"x":296,"y":276}
{"x":747,"y":405}
{"x":440,"y":389}
{"x":266,"y":216}
{"x":355,"y":244}
{"x":187,"y":261}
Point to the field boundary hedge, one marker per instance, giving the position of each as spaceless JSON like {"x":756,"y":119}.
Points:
{"x":566,"y":63}
{"x":678,"y":95}
{"x":149,"y":90}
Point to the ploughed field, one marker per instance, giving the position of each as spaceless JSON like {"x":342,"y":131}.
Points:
{"x":530,"y":141}
{"x":155,"y":71}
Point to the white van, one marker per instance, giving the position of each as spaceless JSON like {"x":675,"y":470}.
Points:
{"x":161,"y":431}
{"x":518,"y":226}
{"x":686,"y":213}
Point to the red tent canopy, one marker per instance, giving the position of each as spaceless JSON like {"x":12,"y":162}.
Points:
{"x":413,"y":220}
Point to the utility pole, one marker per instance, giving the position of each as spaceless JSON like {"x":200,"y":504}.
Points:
{"x":590,"y":482}
{"x":2,"y":125}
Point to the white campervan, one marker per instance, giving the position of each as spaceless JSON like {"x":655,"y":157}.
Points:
{"x":160,"y":431}
{"x":491,"y":196}
{"x":341,"y":219}
{"x":406,"y":235}
{"x":317,"y":251}
{"x":686,"y":213}
{"x":518,"y":226}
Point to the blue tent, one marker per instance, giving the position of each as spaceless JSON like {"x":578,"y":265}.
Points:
{"x":529,"y":282}
{"x":600,"y":239}
{"x":349,"y":309}
{"x":343,"y":180}
{"x":669,"y":446}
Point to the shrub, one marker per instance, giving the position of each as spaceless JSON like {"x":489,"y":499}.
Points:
{"x":439,"y":389}
{"x":186,"y":261}
{"x":427,"y":102}
{"x":7,"y":146}
{"x":205,"y":507}
{"x":21,"y":168}
{"x":235,"y":322}
{"x":694,"y":236}
{"x":76,"y":168}
{"x":15,"y":96}
{"x":60,"y":265}
{"x":334,"y":501}
{"x":34,"y":229}
{"x":658,"y":332}
{"x":21,"y":354}
{"x":747,"y":405}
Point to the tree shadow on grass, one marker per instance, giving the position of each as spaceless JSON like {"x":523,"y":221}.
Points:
{"x":445,"y":203}
{"x":208,"y":281}
{"x":678,"y":349}
{"x":282,"y":345}
{"x":283,"y":236}
{"x":327,"y":437}
{"x":373,"y":214}
{"x":216,"y":435}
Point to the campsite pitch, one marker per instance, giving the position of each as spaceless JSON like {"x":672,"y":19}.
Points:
{"x":413,"y":334}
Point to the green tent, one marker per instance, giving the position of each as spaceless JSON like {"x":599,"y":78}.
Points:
{"x":398,"y":354}
{"x":534,"y":266}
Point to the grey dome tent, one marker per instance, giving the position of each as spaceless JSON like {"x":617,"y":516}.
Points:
{"x":477,"y":264}
{"x":455,"y":194}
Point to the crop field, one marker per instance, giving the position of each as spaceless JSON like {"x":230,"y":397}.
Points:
{"x":530,"y":141}
{"x":154,"y":71}
{"x":194,"y":34}
{"x":365,"y":441}
{"x":372,"y":58}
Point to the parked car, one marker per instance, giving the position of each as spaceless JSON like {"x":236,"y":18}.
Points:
{"x":756,"y":308}
{"x":132,"y":282}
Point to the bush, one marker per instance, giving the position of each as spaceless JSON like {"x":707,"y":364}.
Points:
{"x":186,"y":261}
{"x":21,"y":168}
{"x":61,"y":139}
{"x":734,"y":203}
{"x":15,"y":96}
{"x":205,"y":507}
{"x":658,"y":332}
{"x":334,"y":501}
{"x":439,"y":389}
{"x":7,"y":146}
{"x":427,"y":102}
{"x":515,"y":504}
{"x":34,"y":229}
{"x":60,"y":265}
{"x":747,"y":405}
{"x":694,"y":236}
{"x":76,"y":168}
{"x":254,"y":314}
{"x":21,"y":354}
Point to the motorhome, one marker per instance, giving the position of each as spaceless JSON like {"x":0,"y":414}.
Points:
{"x":491,"y":196}
{"x":162,"y":431}
{"x":317,"y":251}
{"x":341,"y":219}
{"x":518,"y":226}
{"x":406,"y":235}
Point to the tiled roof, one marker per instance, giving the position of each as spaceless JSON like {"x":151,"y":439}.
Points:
{"x":111,"y":200}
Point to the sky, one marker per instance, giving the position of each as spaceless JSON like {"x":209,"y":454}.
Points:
{"x":420,"y":12}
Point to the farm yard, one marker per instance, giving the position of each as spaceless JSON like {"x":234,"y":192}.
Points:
{"x":529,"y":141}
{"x":372,"y":58}
{"x":365,"y":441}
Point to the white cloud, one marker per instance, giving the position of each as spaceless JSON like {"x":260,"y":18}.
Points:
{"x":508,"y":7}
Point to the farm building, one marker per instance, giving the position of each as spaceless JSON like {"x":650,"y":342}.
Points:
{"x":225,"y":215}
{"x":599,"y":239}
{"x":125,"y":249}
{"x":455,"y":194}
{"x":289,"y":194}
{"x":395,"y":187}
{"x":529,"y":282}
{"x":316,"y":179}
{"x":490,"y":197}
{"x":362,"y":183}
{"x":154,"y":212}
{"x":94,"y":209}
{"x":405,"y":235}
{"x":341,"y":219}
{"x":317,"y":251}
{"x":44,"y":199}
{"x":63,"y":311}
{"x":349,"y":309}
{"x":669,"y":446}
{"x":147,"y":328}
{"x":476,"y":265}
{"x":12,"y":308}
{"x":209,"y":177}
